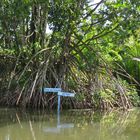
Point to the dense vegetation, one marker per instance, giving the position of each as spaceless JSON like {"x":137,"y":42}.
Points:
{"x":93,"y":50}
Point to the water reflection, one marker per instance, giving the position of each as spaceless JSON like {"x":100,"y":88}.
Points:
{"x":59,"y":126}
{"x":40,"y":125}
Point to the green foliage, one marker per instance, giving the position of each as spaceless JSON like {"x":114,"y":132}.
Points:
{"x":132,"y":47}
{"x":81,"y":54}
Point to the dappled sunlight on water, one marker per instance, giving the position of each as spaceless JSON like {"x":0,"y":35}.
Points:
{"x":77,"y":125}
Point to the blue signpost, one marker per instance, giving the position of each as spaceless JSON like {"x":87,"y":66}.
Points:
{"x":59,"y":94}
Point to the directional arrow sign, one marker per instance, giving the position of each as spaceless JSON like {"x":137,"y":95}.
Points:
{"x":52,"y":89}
{"x":66,"y":94}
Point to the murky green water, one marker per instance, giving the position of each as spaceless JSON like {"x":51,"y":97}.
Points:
{"x":72,"y":125}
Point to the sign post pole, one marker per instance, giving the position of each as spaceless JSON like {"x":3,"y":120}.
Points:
{"x":59,"y":100}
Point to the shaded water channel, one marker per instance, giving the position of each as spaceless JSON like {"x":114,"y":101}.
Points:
{"x":72,"y":125}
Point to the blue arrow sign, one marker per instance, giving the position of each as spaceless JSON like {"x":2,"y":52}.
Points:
{"x":66,"y":94}
{"x":52,"y":89}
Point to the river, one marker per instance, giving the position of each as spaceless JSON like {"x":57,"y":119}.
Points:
{"x":16,"y":124}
